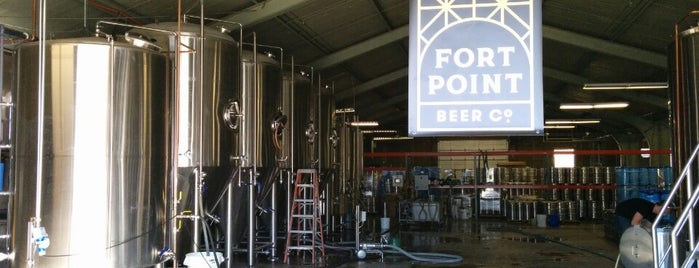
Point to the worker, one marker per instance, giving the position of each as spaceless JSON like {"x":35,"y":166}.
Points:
{"x":633,"y":211}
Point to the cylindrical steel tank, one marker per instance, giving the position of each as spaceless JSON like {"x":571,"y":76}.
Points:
{"x":260,"y":103}
{"x":683,"y":83}
{"x":260,"y":136}
{"x":105,"y":160}
{"x":203,"y":134}
{"x":302,"y":107}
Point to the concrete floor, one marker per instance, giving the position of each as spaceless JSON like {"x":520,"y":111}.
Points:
{"x":481,"y":243}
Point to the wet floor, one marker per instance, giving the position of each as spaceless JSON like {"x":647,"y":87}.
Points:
{"x":481,"y":243}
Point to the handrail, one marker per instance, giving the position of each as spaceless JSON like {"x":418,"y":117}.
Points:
{"x":681,"y":223}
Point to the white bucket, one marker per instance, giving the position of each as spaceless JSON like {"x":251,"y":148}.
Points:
{"x":464,"y":213}
{"x":385,"y":224}
{"x":203,"y":259}
{"x":541,"y":220}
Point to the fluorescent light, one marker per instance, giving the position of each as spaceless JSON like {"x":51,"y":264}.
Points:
{"x":344,"y":110}
{"x":576,"y":106}
{"x":571,"y":121}
{"x":559,"y":127}
{"x":610,"y":105}
{"x":613,"y":86}
{"x":391,"y":138}
{"x":364,"y":124}
{"x":379,"y":131}
{"x":590,"y":106}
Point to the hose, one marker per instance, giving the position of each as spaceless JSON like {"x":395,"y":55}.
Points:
{"x":429,"y":257}
{"x":439,"y":258}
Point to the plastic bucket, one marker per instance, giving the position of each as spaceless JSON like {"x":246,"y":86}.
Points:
{"x":541,"y":220}
{"x":203,"y":259}
{"x":385,"y":224}
{"x":554,"y":220}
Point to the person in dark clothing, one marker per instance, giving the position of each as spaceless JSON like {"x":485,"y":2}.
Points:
{"x":633,"y":211}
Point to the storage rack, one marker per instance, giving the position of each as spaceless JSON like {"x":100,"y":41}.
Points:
{"x":476,"y":186}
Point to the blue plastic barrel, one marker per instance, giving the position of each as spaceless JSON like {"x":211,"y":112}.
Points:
{"x":554,"y":220}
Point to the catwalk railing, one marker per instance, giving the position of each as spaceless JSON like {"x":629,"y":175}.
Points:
{"x":684,"y":227}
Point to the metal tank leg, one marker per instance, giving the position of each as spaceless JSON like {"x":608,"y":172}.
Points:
{"x":251,"y":220}
{"x":229,"y":224}
{"x":273,"y":224}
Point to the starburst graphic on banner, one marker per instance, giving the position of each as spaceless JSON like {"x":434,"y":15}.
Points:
{"x":439,"y":14}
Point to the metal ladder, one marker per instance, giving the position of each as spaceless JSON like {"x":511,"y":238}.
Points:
{"x":683,"y":251}
{"x":305,"y":224}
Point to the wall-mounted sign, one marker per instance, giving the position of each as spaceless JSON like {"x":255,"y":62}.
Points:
{"x":475,"y":68}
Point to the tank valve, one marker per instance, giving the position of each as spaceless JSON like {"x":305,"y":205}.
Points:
{"x":41,"y":240}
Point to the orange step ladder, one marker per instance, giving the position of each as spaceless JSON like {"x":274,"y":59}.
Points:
{"x":305,"y":225}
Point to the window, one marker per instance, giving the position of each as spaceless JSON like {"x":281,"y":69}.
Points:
{"x":563,"y":158}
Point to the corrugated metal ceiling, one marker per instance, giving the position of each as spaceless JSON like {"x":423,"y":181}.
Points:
{"x":361,"y":46}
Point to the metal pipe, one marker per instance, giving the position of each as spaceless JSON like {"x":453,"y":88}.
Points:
{"x":36,"y":220}
{"x":198,"y":186}
{"x":229,"y":224}
{"x":2,"y":61}
{"x":174,"y":143}
{"x":251,"y":219}
{"x":253,"y":174}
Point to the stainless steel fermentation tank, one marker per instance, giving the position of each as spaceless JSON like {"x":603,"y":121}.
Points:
{"x":300,"y":101}
{"x":204,"y":138}
{"x":261,"y":137}
{"x":684,"y":88}
{"x":105,"y":155}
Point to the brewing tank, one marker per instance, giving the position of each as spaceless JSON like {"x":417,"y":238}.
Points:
{"x":203,"y":135}
{"x":260,"y":131}
{"x":684,"y":85}
{"x":302,"y":104}
{"x":203,"y":93}
{"x":103,"y":191}
{"x":260,"y":105}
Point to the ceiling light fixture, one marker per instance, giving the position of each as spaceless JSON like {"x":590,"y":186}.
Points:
{"x":379,"y":131}
{"x":344,"y":110}
{"x":571,"y":121}
{"x":559,"y":127}
{"x":391,"y":138}
{"x":590,"y":106}
{"x":615,"y":86}
{"x":364,"y":124}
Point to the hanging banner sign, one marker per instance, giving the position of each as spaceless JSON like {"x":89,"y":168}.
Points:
{"x":475,"y":68}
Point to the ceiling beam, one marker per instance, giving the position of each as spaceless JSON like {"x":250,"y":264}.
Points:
{"x":549,"y":32}
{"x":361,"y":48}
{"x":262,"y":11}
{"x":382,"y":105}
{"x":604,"y":46}
{"x":371,"y":84}
{"x":635,"y":96}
